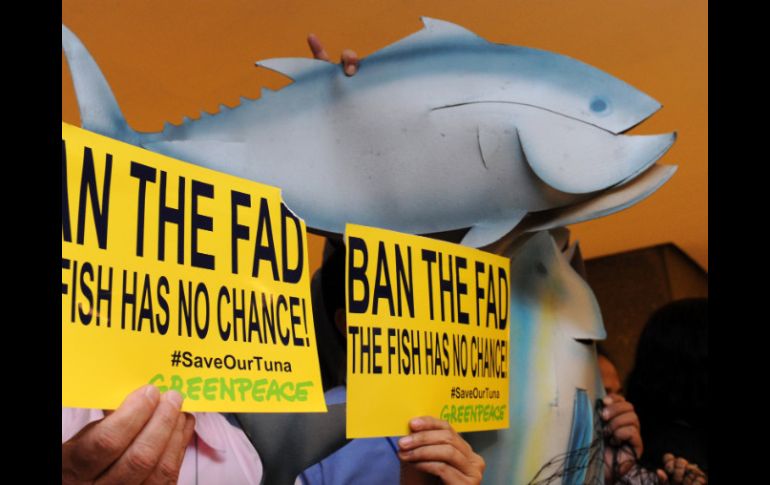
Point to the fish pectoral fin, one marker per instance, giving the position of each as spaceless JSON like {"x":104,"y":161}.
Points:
{"x":486,"y":232}
{"x":498,"y":142}
{"x":294,"y":67}
{"x":578,"y":158}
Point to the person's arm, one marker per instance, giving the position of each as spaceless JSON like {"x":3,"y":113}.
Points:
{"x":434,"y":449}
{"x":143,"y":441}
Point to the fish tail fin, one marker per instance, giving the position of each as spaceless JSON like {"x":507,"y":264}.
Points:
{"x":99,"y":110}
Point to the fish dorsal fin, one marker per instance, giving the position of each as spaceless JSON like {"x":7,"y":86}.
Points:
{"x":436,"y":27}
{"x":293,"y":67}
{"x":435,"y":33}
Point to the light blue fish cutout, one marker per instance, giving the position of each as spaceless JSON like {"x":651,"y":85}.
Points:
{"x":442,"y":130}
{"x":554,"y":375}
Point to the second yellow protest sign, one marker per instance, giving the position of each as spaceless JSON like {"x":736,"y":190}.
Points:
{"x":179,"y":276}
{"x":427,"y":333}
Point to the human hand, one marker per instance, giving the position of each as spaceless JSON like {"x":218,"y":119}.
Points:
{"x":434,"y":448}
{"x":143,"y":441}
{"x":622,"y":433}
{"x":678,"y":471}
{"x":349,"y":58}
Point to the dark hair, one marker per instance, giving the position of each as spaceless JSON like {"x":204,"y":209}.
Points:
{"x":333,"y":278}
{"x":670,"y":375}
{"x":328,"y":287}
{"x":669,"y":383}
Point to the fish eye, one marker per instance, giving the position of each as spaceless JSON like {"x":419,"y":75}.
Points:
{"x":599,"y":105}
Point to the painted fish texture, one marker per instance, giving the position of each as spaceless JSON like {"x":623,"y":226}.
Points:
{"x":442,"y":130}
{"x":554,"y":375}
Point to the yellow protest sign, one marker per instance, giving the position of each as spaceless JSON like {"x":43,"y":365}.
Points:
{"x":186,"y":278}
{"x":427,"y":333}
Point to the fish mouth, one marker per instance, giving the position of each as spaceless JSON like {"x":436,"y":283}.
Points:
{"x":641,"y":120}
{"x":664,"y":147}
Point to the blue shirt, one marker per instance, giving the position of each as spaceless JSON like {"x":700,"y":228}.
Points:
{"x":373,"y":461}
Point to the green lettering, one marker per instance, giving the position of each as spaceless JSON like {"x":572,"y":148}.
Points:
{"x":274,"y":390}
{"x":257,"y":393}
{"x":300,"y":393}
{"x":177,"y":384}
{"x":194,"y":387}
{"x":243,"y":386}
{"x":288,"y":396}
{"x":210,"y":389}
{"x":158,"y":378}
{"x":445,"y":416}
{"x":225,"y":389}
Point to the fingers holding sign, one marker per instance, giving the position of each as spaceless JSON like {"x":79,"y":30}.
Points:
{"x":167,"y":470}
{"x":434,"y":448}
{"x":349,"y":58}
{"x":144,"y":439}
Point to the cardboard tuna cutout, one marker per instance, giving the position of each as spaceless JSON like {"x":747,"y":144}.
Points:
{"x":440,"y":131}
